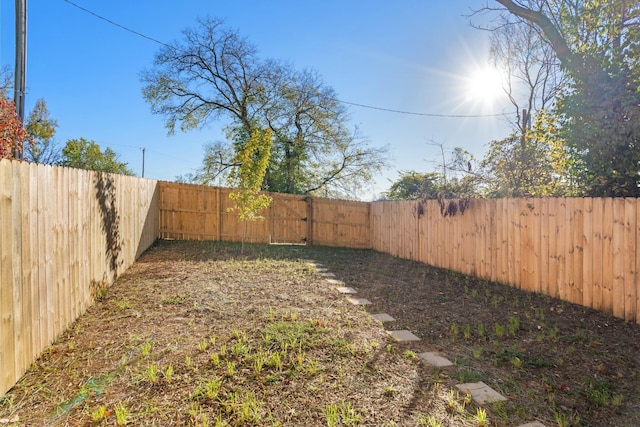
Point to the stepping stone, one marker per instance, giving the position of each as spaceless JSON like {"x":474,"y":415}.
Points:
{"x":312,"y":263}
{"x":346,"y":290}
{"x":327,"y":275}
{"x":533,"y":424}
{"x":322,"y":270}
{"x":481,"y":393}
{"x":403,"y":336}
{"x":383,"y":317}
{"x":335,"y":282}
{"x":434,"y":359}
{"x":358,"y":301}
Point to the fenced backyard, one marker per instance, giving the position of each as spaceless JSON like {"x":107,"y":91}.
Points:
{"x":66,"y":234}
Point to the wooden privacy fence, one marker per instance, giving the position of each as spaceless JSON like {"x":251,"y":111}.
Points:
{"x":195,"y":212}
{"x":581,"y":250}
{"x":64,"y":234}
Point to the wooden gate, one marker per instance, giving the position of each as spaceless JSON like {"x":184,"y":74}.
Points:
{"x":289,"y":220}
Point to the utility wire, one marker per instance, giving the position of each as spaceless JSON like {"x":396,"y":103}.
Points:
{"x":116,"y":24}
{"x":420,"y":114}
{"x":389,"y":110}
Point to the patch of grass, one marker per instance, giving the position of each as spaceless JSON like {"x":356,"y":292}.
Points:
{"x":600,"y":393}
{"x":100,"y":414}
{"x":176,"y":299}
{"x":468,"y":376}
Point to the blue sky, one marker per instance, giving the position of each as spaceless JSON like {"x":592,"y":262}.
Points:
{"x":411,"y":55}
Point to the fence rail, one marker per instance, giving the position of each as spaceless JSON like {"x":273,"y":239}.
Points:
{"x":64,"y":234}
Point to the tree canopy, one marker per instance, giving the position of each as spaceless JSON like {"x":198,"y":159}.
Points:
{"x":597,"y":43}
{"x":215,"y":74}
{"x":42,"y":128}
{"x":84,"y":154}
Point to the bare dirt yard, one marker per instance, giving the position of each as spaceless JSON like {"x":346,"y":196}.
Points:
{"x":198,"y":334}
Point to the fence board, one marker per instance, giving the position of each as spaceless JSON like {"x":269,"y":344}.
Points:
{"x":16,"y":280}
{"x":637,"y":261}
{"x":544,"y":246}
{"x":587,"y":253}
{"x":575,"y":279}
{"x":7,"y":339}
{"x":617,"y":292}
{"x":630,"y":255}
{"x":597,"y":252}
{"x":607,"y":255}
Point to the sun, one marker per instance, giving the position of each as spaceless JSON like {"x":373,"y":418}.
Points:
{"x":484,"y":85}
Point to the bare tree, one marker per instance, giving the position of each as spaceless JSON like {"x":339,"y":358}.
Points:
{"x":530,"y":70}
{"x":215,"y":73}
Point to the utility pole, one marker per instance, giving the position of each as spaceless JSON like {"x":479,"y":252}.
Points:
{"x":143,"y":150}
{"x":21,"y":57}
{"x":21,"y":60}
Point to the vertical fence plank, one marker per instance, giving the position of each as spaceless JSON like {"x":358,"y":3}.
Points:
{"x":30,"y":260}
{"x":587,"y":253}
{"x":7,"y":339}
{"x":597,"y":252}
{"x":630,"y":257}
{"x":637,"y":261}
{"x":492,"y":236}
{"x":618,"y":257}
{"x":563,"y":242}
{"x":501,"y":242}
{"x":607,"y":255}
{"x":16,"y":280}
{"x":535,"y":236}
{"x":526,"y":244}
{"x":554,"y":245}
{"x":544,"y":246}
{"x":577,"y":238}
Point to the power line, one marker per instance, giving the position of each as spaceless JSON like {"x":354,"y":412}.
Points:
{"x":458,"y":116}
{"x":389,"y":110}
{"x":116,"y":24}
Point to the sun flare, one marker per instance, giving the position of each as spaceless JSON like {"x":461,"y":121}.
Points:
{"x":484,"y":85}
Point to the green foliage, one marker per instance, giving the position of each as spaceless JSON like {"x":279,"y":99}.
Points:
{"x":252,"y":161}
{"x":42,"y":128}
{"x":85,"y":154}
{"x":536,"y":163}
{"x":414,"y":185}
{"x":247,"y":177}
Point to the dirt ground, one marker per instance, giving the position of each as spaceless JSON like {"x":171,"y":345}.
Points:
{"x":197,"y":334}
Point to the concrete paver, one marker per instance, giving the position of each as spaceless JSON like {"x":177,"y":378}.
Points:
{"x":346,"y":290}
{"x":335,"y":282}
{"x":434,"y":359}
{"x":533,"y":424}
{"x":403,"y":336}
{"x":327,"y":275}
{"x":481,"y":393}
{"x":358,"y":301}
{"x":383,"y":317}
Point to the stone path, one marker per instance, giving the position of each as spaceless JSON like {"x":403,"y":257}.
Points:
{"x":480,"y":392}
